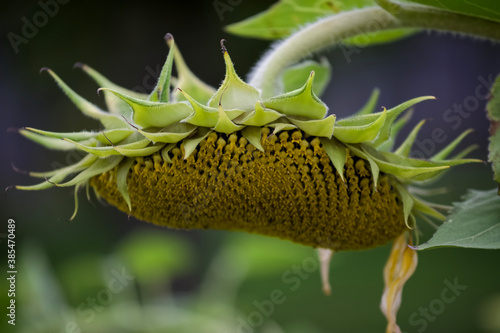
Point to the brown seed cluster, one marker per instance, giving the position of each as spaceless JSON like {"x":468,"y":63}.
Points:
{"x":291,"y":191}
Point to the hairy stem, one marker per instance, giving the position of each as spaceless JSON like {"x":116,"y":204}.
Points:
{"x":332,"y":30}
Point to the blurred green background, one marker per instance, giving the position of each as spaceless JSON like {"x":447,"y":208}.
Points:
{"x":105,"y":272}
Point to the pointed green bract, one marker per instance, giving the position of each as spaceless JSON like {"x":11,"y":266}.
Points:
{"x":404,"y":168}
{"x":370,"y":104}
{"x":191,"y":143}
{"x":322,"y":128}
{"x":161,"y":93}
{"x":108,"y":120}
{"x":61,"y":174}
{"x":253,"y":135}
{"x":52,"y":142}
{"x":301,"y":102}
{"x":98,"y":167}
{"x":408,"y":202}
{"x":282,"y":126}
{"x":75,"y":195}
{"x":392,"y":114}
{"x":362,"y":132}
{"x":113,"y":103}
{"x":405,"y":148}
{"x":396,"y":127}
{"x":374,"y":166}
{"x":464,"y":152}
{"x":260,"y":116}
{"x":77,"y":136}
{"x":446,"y":151}
{"x":224,"y":124}
{"x":234,"y":93}
{"x":294,"y":77}
{"x":187,"y":81}
{"x":425,"y":208}
{"x":202,"y":115}
{"x":121,"y":179}
{"x":108,"y":150}
{"x":166,"y":150}
{"x":154,"y":114}
{"x":337,"y":153}
{"x":170,"y":134}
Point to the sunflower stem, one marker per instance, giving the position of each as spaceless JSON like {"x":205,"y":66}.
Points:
{"x":330,"y":31}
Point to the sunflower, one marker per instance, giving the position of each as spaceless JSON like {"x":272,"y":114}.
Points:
{"x":196,"y":157}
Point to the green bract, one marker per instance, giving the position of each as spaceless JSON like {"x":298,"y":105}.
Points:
{"x":138,"y":125}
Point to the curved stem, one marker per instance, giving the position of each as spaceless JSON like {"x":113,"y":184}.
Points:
{"x":331,"y":30}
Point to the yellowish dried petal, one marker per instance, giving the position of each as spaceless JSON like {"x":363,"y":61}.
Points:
{"x":399,"y":268}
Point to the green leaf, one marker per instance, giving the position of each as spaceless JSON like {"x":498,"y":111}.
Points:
{"x":284,"y":17}
{"x":287,"y":16}
{"x":493,"y":108}
{"x":473,"y":223}
{"x":486,"y":9}
{"x":294,"y":77}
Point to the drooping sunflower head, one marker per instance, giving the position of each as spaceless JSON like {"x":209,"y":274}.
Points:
{"x":189,"y":156}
